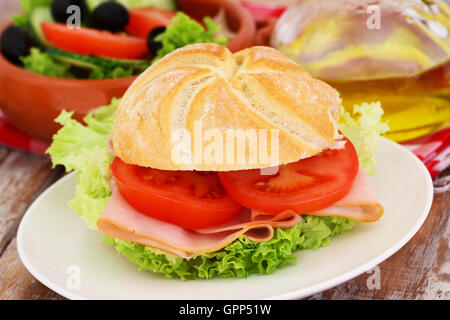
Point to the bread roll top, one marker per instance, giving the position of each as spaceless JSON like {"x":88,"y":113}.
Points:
{"x":203,"y":108}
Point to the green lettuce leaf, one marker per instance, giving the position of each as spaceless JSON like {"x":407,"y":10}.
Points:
{"x":93,"y":4}
{"x":27,"y":6}
{"x":184,"y":30}
{"x":117,"y":72}
{"x":241,"y":258}
{"x":21,"y":21}
{"x":43,"y":63}
{"x":46,"y":64}
{"x":363,"y":127}
{"x":84,"y":148}
{"x":166,"y":4}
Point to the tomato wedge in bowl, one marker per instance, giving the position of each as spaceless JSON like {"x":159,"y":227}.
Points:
{"x":304,"y":186}
{"x":189,"y":199}
{"x":264,"y":10}
{"x":143,"y":20}
{"x":89,"y":41}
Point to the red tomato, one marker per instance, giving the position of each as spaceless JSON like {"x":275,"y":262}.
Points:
{"x":189,"y":199}
{"x":304,"y":186}
{"x":143,"y":20}
{"x":94,"y":42}
{"x":264,"y":10}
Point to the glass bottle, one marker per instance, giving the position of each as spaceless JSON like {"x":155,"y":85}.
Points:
{"x":393,"y":51}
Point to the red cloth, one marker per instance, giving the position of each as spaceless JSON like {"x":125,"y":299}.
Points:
{"x":14,"y":138}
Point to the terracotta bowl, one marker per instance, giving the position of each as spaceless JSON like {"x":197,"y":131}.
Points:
{"x":32,"y":101}
{"x":239,"y":19}
{"x":264,"y":30}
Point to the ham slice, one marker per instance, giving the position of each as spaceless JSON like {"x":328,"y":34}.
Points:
{"x":360,"y":204}
{"x":120,"y":220}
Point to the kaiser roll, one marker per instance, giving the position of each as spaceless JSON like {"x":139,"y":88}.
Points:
{"x":204,"y":88}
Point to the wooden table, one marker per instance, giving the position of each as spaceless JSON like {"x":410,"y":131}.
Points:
{"x":420,"y":270}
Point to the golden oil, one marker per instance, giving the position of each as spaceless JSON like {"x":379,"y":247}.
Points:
{"x":413,"y":106}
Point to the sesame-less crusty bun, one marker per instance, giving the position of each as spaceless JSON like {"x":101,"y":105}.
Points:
{"x":204,"y":88}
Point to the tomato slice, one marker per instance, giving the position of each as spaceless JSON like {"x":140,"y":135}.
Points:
{"x":304,"y":186}
{"x":143,"y":20}
{"x":264,"y":10}
{"x":189,"y":199}
{"x":94,"y":42}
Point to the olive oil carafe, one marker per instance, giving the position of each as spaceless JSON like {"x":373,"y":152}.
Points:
{"x":393,"y":51}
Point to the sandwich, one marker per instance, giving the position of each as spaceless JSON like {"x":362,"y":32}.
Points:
{"x":216,"y":164}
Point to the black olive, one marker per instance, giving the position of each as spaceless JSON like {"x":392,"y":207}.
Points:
{"x":153,"y":45}
{"x":110,"y":16}
{"x":59,"y":9}
{"x":15,"y":42}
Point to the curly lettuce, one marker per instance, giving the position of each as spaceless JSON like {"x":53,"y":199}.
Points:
{"x":363,"y":127}
{"x":46,"y":64}
{"x":241,"y":258}
{"x":43,"y":63}
{"x":184,"y":30}
{"x":117,"y":72}
{"x":167,"y":4}
{"x":84,"y":148}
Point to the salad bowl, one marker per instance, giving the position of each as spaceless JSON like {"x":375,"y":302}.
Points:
{"x":32,"y":101}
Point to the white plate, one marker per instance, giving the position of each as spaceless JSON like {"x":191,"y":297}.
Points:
{"x":52,"y":240}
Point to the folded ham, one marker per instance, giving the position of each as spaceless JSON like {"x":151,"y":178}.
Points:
{"x":120,"y":220}
{"x":360,"y":204}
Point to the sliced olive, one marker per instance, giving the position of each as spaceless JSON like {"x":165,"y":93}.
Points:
{"x":59,"y":9}
{"x":153,"y":45}
{"x":110,"y":16}
{"x":15,"y":42}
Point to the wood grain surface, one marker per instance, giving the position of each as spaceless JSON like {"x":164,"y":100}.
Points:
{"x":420,"y":270}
